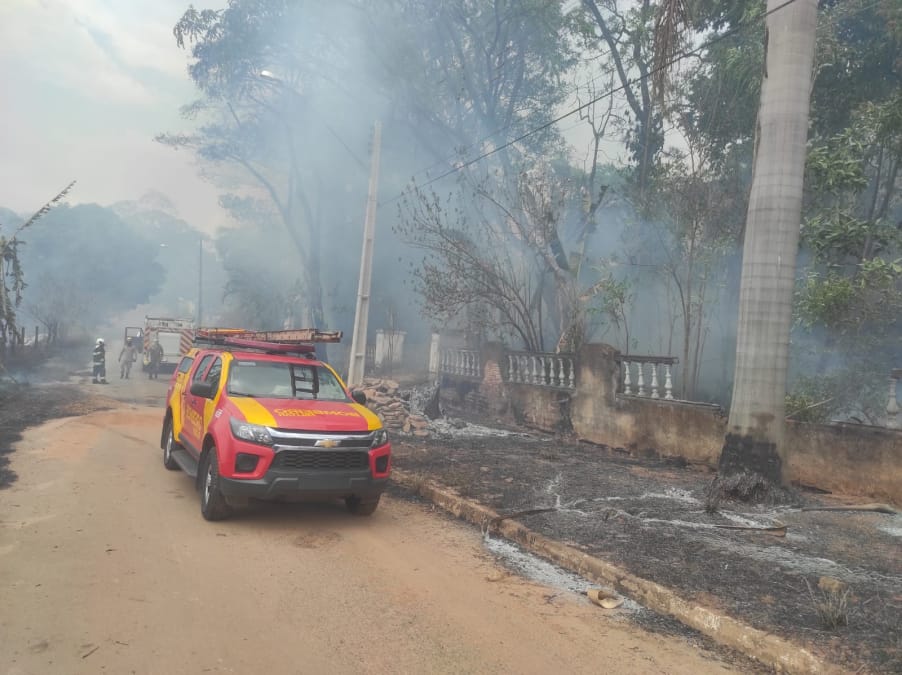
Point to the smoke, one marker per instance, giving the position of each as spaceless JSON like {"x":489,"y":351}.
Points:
{"x":280,"y":120}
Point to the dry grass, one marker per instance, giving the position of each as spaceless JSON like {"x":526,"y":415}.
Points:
{"x":831,"y":605}
{"x":713,"y":500}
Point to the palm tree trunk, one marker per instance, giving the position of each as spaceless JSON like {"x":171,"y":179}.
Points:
{"x":754,"y":441}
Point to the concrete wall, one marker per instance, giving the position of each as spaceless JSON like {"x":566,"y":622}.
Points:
{"x":844,"y":458}
{"x":847,"y":458}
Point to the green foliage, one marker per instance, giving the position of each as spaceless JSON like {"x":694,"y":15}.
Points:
{"x":857,"y":62}
{"x":856,"y":392}
{"x":834,"y":234}
{"x":837,"y":166}
{"x":850,"y":298}
{"x":825,"y":299}
{"x":813,"y":399}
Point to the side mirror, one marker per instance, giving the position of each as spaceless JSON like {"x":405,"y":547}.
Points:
{"x":202,"y":389}
{"x":359,"y":396}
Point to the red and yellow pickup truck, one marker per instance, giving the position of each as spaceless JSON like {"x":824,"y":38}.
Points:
{"x":251,"y":419}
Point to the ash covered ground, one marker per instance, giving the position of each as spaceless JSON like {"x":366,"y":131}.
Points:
{"x":651,"y":517}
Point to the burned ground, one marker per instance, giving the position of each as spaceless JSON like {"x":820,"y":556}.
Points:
{"x":38,"y":385}
{"x":651,"y":517}
{"x":26,"y":405}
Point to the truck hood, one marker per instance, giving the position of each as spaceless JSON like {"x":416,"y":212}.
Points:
{"x":297,"y":415}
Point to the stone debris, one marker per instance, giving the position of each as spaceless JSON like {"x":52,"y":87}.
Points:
{"x":385,"y":398}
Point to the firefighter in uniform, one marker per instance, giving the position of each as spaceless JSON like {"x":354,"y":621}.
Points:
{"x":127,"y":357}
{"x":99,"y":360}
{"x":155,"y":357}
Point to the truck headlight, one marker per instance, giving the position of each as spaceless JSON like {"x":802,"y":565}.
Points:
{"x":380,"y":438}
{"x":253,"y":433}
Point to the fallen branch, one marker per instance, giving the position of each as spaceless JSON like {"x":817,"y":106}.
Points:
{"x":809,"y":407}
{"x":874,"y":508}
{"x":778,"y":529}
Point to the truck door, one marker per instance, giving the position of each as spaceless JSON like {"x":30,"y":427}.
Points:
{"x":136,"y":333}
{"x":193,"y":408}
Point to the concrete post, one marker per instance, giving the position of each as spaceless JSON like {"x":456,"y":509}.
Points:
{"x":358,"y":342}
{"x":434,"y":356}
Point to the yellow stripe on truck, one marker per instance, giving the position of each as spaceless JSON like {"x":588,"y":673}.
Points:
{"x":372,"y":421}
{"x":253,"y":411}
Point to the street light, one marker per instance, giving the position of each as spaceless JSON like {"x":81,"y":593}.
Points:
{"x":275,"y":80}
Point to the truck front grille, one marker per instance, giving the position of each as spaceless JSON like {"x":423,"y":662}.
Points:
{"x":321,"y":460}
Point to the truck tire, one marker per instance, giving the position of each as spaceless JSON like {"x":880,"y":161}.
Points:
{"x":170,"y":445}
{"x":362,"y":507}
{"x":213,"y":505}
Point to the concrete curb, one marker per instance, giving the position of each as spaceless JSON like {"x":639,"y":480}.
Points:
{"x":782,"y":655}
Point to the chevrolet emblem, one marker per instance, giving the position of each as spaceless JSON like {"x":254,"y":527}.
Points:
{"x":326,"y":443}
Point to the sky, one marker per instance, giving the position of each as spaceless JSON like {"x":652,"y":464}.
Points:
{"x":86,"y":86}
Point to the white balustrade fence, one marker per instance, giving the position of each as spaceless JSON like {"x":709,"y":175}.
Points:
{"x":547,"y":370}
{"x":645,"y":375}
{"x":462,"y":362}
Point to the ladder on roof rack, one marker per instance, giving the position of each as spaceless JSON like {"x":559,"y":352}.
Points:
{"x":289,"y":336}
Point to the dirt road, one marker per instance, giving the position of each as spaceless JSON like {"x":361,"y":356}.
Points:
{"x":107,"y":566}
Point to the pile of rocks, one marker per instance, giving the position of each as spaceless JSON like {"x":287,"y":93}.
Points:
{"x":385,"y":399}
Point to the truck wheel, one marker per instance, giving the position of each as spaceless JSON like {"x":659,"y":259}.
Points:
{"x":362,"y":507}
{"x":213,"y":505}
{"x":171,"y":444}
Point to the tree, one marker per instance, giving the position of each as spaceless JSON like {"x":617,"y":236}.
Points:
{"x":629,"y":35}
{"x":89,"y":265}
{"x":470,"y":74}
{"x":12,"y":274}
{"x":180,"y":244}
{"x":494,"y":253}
{"x":754,"y":455}
{"x":850,"y":298}
{"x":690,"y":228}
{"x":261,"y":290}
{"x":265,"y":132}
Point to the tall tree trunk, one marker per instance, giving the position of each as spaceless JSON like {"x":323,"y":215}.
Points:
{"x":754,"y":442}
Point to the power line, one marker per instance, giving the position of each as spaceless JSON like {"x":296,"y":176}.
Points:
{"x":610,"y":92}
{"x":546,"y":125}
{"x":576,"y":87}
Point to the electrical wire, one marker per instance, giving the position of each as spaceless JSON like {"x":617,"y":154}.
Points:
{"x":550,"y":123}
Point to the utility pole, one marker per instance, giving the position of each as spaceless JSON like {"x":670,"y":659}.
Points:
{"x":358,"y":341}
{"x":200,"y":282}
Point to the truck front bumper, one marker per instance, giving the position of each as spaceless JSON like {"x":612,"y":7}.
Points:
{"x":305,"y":485}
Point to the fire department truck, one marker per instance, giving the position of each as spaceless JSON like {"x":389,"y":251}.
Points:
{"x":258,"y":416}
{"x":175,"y":336}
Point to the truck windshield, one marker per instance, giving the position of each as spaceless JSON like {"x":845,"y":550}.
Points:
{"x":269,"y":379}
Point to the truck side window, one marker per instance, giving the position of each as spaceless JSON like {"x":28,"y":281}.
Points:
{"x":185,"y":364}
{"x":214,"y":374}
{"x":201,"y":367}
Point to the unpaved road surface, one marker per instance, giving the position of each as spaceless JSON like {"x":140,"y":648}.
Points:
{"x":106,"y":566}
